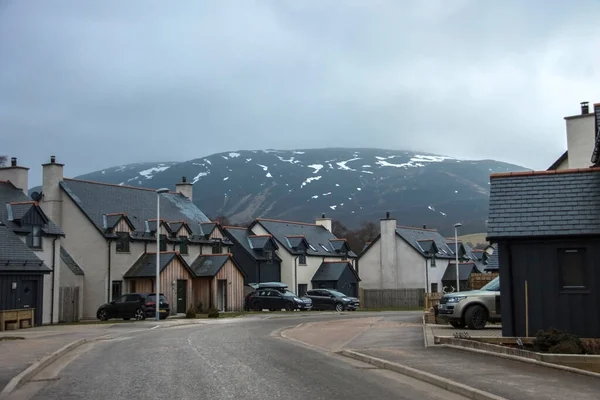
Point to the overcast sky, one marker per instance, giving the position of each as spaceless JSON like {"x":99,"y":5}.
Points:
{"x":102,"y":83}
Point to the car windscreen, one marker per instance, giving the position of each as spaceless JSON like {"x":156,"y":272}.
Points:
{"x":493,"y":285}
{"x":287,"y":293}
{"x":337,"y":294}
{"x":152,"y":298}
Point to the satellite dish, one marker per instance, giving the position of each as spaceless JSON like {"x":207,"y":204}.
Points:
{"x":35,"y":196}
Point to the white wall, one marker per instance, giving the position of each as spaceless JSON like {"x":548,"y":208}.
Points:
{"x":580,"y":140}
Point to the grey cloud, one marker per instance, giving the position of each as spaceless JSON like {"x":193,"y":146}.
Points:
{"x":111,"y":82}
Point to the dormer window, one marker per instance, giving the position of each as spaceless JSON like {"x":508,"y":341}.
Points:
{"x":163,"y":243}
{"x":34,"y":239}
{"x":302,"y":258}
{"x":122,"y":242}
{"x":268,"y":255}
{"x":312,"y":247}
{"x":183,"y":245}
{"x":217,"y":247}
{"x":324,"y":248}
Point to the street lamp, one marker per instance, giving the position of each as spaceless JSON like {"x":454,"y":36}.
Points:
{"x":157,"y":300}
{"x":456,"y":226}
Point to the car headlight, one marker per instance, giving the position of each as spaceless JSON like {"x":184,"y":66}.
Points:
{"x":298,"y":300}
{"x":345,"y":299}
{"x":456,"y":299}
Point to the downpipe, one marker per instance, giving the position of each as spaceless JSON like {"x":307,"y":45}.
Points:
{"x":53,"y":280}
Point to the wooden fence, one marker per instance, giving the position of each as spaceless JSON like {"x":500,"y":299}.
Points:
{"x":477,"y":281}
{"x":432,"y":299}
{"x":68,"y":304}
{"x":392,"y":298}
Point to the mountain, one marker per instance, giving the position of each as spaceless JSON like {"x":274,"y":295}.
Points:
{"x":351,"y":185}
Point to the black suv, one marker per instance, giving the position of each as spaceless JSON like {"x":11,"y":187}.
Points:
{"x":328,"y":299}
{"x":276,"y":299}
{"x":134,"y":305}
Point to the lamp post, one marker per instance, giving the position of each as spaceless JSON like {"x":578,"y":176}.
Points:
{"x":157,"y":300}
{"x":456,"y":226}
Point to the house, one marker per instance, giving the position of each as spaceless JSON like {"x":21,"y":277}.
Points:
{"x":30,"y":255}
{"x":338,"y":275}
{"x":256,"y":255}
{"x":111,"y":236}
{"x":464,"y":273}
{"x":547,"y":229}
{"x":581,"y":139}
{"x":298,"y":248}
{"x":219,"y":282}
{"x":403,"y":257}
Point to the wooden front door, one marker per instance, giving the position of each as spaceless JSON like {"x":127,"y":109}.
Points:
{"x":181,"y":296}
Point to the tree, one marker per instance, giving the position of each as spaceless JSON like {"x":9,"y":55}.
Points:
{"x":222,"y":219}
{"x":3,"y":160}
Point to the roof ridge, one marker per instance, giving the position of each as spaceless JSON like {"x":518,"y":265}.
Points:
{"x":338,"y":239}
{"x":287,"y":222}
{"x":266,"y":235}
{"x":210,"y":255}
{"x":163,"y":252}
{"x":234,"y":227}
{"x":115,"y":185}
{"x":335,"y":262}
{"x":416,"y":228}
{"x":551,"y":172}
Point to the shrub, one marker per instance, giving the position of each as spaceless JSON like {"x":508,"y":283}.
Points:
{"x":549,"y":341}
{"x":591,"y":346}
{"x":191,"y":312}
{"x":213,"y":313}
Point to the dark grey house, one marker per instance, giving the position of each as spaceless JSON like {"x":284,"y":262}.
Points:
{"x":337,"y":275}
{"x":464,"y":273}
{"x":547,"y":229}
{"x":255,"y":254}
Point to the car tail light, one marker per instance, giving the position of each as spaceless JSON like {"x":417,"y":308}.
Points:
{"x":150,"y":304}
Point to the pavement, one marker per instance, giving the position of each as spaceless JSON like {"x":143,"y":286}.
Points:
{"x":401,"y":342}
{"x":230,"y":359}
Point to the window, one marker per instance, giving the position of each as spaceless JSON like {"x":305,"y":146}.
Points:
{"x":117,"y":289}
{"x":434,"y":288}
{"x":217,"y":247}
{"x":132,"y":298}
{"x":302,"y":289}
{"x":571,"y":265}
{"x":269,"y":255}
{"x":163,"y":242}
{"x":34,"y":239}
{"x":120,"y":299}
{"x":302,"y":259}
{"x":324,"y":248}
{"x":132,"y":287}
{"x":183,"y":246}
{"x":122,"y":242}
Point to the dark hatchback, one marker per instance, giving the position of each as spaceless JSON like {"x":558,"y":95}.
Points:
{"x":138,"y":306}
{"x":328,"y":299}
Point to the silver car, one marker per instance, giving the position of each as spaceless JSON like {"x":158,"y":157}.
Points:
{"x":473,"y":308}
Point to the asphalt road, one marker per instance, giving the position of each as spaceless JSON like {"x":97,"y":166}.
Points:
{"x":242,"y":359}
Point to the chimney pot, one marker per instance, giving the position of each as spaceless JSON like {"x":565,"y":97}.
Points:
{"x":387,"y":215}
{"x":424,"y":226}
{"x":183,"y":179}
{"x":323,"y":215}
{"x":52,"y":159}
{"x":585,"y":107}
{"x":13,"y":162}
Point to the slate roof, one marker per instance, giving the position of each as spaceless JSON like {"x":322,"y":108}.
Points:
{"x":10,"y":194}
{"x":145,"y":266}
{"x":541,"y":204}
{"x":559,"y":161}
{"x":241,"y":237}
{"x":492,"y":262}
{"x":96,"y":199}
{"x":70,"y":262}
{"x":209,"y":265}
{"x":332,"y":271}
{"x":19,"y":209}
{"x":317,"y":236}
{"x":464,"y":270}
{"x":16,"y":256}
{"x":258,"y":242}
{"x":414,"y":235}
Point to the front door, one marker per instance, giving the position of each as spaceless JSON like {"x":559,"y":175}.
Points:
{"x":181,"y":296}
{"x":222,"y":295}
{"x":28,"y":294}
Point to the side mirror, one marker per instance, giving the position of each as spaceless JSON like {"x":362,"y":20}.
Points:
{"x":112,"y":302}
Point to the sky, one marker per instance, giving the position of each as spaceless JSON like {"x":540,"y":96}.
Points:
{"x":110,"y":82}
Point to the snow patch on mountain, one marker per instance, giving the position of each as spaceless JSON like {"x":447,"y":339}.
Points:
{"x":225,"y":178}
{"x":149,"y":173}
{"x":234,"y":155}
{"x":269,"y":175}
{"x":317,"y":167}
{"x":200,"y":175}
{"x":342,"y":164}
{"x":309,"y":180}
{"x":264,"y":167}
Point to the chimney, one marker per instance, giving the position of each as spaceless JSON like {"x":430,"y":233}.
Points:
{"x":424,"y":226}
{"x":585,"y":107}
{"x":185,"y":188}
{"x":51,"y":203}
{"x":388,"y":258}
{"x":325,"y":222}
{"x":18,"y":176}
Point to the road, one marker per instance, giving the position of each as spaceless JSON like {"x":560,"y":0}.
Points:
{"x":235,"y":359}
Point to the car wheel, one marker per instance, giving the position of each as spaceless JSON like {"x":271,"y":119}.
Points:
{"x":458,"y":324}
{"x":139,"y":315}
{"x":476,"y":317}
{"x":339,"y":307}
{"x":256,"y":306}
{"x":102,"y":315}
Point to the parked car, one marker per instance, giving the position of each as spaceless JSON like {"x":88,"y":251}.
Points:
{"x":276,"y":298}
{"x":263,"y":285}
{"x":473,"y":308}
{"x":329,"y":299}
{"x":138,"y":306}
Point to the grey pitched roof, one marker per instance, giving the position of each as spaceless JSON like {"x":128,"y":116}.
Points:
{"x":258,"y":242}
{"x":241,"y":237}
{"x":19,"y":209}
{"x":464,"y":271}
{"x":10,"y":194}
{"x":493,"y":261}
{"x":332,"y":271}
{"x":559,"y":161}
{"x":15,"y":256}
{"x":415,"y":235}
{"x":553,"y":203}
{"x":70,"y":262}
{"x":145,"y":266}
{"x":96,"y":199}
{"x":317,"y":236}
{"x":208,"y":265}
